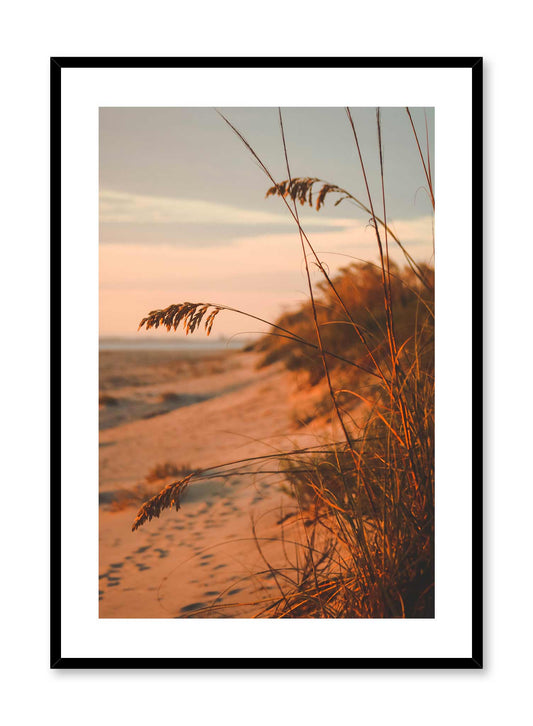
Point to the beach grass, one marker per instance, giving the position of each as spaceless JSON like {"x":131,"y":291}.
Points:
{"x":364,"y":501}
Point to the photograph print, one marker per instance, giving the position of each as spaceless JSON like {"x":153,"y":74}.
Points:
{"x":266,"y":362}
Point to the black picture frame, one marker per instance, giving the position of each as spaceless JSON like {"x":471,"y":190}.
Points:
{"x":475,"y":661}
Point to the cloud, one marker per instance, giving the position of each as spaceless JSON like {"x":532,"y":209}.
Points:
{"x":122,"y":207}
{"x":417,"y":231}
{"x":255,"y":262}
{"x":263,"y":273}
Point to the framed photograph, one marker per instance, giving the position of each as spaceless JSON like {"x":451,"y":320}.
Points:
{"x":266,"y":446}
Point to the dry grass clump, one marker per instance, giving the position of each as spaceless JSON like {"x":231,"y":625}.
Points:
{"x":371,"y":542}
{"x":360,"y":286}
{"x":365,"y":503}
{"x":167,"y":470}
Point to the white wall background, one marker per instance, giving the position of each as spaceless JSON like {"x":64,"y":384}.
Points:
{"x":30,"y":33}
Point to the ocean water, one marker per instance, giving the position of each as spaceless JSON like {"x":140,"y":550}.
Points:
{"x":144,"y":343}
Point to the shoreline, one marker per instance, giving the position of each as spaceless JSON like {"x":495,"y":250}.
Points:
{"x":112,"y":343}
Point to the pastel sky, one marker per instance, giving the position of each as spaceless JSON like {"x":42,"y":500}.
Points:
{"x":183,"y":214}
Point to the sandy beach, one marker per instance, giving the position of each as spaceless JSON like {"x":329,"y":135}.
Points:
{"x":163,"y":412}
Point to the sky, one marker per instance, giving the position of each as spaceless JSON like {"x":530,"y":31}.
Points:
{"x":183,"y":213}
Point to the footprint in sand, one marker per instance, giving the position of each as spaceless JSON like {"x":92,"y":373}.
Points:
{"x":142,"y":549}
{"x":116,"y":565}
{"x":162,"y":553}
{"x":192,"y":607}
{"x":211,"y":593}
{"x":235,"y":591}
